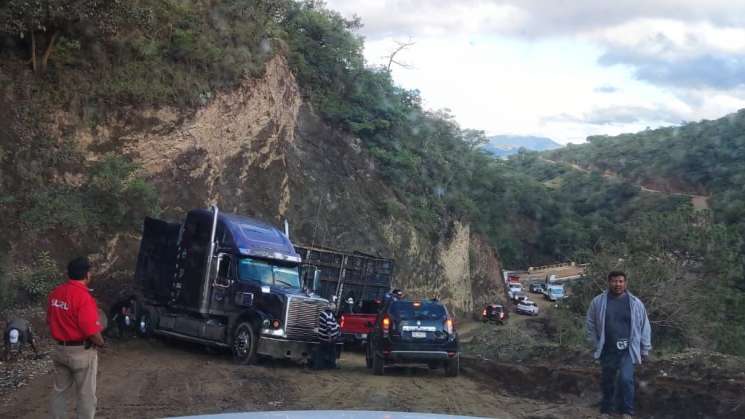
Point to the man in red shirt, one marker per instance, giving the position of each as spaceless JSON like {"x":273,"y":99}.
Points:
{"x":73,"y":321}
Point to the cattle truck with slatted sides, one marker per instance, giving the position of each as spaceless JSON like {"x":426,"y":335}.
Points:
{"x":356,"y":280}
{"x":225,"y":280}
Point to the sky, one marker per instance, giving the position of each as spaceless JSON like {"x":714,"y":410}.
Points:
{"x":563,"y":69}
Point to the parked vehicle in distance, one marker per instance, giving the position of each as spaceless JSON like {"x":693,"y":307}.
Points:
{"x":413,"y":332}
{"x":495,"y":313}
{"x":514,"y":289}
{"x":519,"y":296}
{"x":554,"y":293}
{"x":536,"y":287}
{"x":527,"y":307}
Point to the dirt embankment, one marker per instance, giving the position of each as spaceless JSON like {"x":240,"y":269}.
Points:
{"x":260,"y":150}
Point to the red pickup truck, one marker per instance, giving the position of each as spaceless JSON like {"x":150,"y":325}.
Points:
{"x":355,"y":324}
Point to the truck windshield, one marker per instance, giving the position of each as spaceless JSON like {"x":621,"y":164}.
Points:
{"x":268,"y":274}
{"x":556,"y":291}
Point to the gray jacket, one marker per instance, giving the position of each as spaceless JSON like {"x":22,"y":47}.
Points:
{"x":640,"y":340}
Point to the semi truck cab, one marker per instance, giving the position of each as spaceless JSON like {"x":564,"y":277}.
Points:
{"x":229,"y":281}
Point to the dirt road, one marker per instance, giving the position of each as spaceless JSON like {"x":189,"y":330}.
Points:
{"x":144,"y":379}
{"x":152,"y":378}
{"x":699,"y":202}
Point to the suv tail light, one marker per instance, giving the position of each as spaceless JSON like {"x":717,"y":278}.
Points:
{"x":341,"y":321}
{"x":449,"y":326}
{"x":501,"y":315}
{"x":386,"y":325}
{"x":483,"y":313}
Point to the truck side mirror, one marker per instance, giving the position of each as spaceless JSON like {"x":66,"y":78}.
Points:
{"x":369,"y":324}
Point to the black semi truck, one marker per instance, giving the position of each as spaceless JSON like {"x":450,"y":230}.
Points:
{"x":228,"y":281}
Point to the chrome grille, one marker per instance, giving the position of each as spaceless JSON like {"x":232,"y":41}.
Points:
{"x":302,"y":318}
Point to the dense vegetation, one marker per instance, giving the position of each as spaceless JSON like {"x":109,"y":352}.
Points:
{"x":704,"y":158}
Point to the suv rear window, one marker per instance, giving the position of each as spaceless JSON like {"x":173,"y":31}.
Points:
{"x":407,"y":310}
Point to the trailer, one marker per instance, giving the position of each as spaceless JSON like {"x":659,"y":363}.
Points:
{"x":358,"y":282}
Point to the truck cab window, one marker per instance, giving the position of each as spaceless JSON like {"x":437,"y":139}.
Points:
{"x":286,"y":277}
{"x":255,"y":270}
{"x":268,"y":274}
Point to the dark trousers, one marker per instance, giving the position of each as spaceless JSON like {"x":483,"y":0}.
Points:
{"x":617,"y":381}
{"x":324,"y":356}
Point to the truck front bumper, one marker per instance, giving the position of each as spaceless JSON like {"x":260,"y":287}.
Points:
{"x":288,"y":349}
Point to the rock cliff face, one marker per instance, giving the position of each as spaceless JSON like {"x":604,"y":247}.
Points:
{"x":259,"y":150}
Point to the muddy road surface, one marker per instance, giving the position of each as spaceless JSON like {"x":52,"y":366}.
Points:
{"x":151,"y":378}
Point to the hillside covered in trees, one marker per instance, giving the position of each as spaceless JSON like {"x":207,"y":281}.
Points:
{"x":678,"y":255}
{"x":702,"y":158}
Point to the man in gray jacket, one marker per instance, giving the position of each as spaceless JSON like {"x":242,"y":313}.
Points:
{"x":618,"y":327}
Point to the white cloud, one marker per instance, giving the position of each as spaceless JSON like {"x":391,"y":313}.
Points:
{"x":530,"y":18}
{"x":512,"y":66}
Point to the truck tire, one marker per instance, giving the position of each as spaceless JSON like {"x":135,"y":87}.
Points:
{"x":145,"y":324}
{"x":452,"y":366}
{"x":244,"y":344}
{"x":378,"y":365}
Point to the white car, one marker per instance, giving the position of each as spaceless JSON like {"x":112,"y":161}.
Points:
{"x":527,"y":307}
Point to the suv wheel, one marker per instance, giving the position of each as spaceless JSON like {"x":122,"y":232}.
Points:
{"x":452,"y":366}
{"x":378,"y":364}
{"x":244,"y":344}
{"x":368,"y":356}
{"x":145,"y":324}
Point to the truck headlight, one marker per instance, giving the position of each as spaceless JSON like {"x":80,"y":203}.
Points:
{"x":273,"y":332}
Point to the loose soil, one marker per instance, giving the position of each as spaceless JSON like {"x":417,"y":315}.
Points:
{"x":141,"y":378}
{"x":150,"y":378}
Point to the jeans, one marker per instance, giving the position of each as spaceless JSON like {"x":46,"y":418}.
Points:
{"x":617,"y":381}
{"x":324,"y":356}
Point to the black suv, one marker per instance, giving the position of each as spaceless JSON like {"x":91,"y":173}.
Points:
{"x":413,"y":332}
{"x":494,"y":313}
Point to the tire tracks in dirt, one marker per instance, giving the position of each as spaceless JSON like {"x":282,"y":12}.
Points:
{"x":145,"y":379}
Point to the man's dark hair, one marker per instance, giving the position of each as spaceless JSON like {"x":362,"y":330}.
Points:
{"x":614,"y":274}
{"x":78,"y":268}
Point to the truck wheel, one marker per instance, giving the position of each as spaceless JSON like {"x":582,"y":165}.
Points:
{"x":452,"y":366}
{"x":145,"y":324}
{"x":244,"y":344}
{"x":378,"y":364}
{"x":368,"y":357}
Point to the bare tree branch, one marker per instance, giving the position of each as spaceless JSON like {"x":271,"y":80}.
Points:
{"x":392,"y":58}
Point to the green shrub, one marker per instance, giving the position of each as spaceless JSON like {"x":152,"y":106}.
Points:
{"x":7,"y":291}
{"x":37,"y":281}
{"x":113,"y":198}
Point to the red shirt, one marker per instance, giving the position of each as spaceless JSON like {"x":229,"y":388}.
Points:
{"x":72,"y":314}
